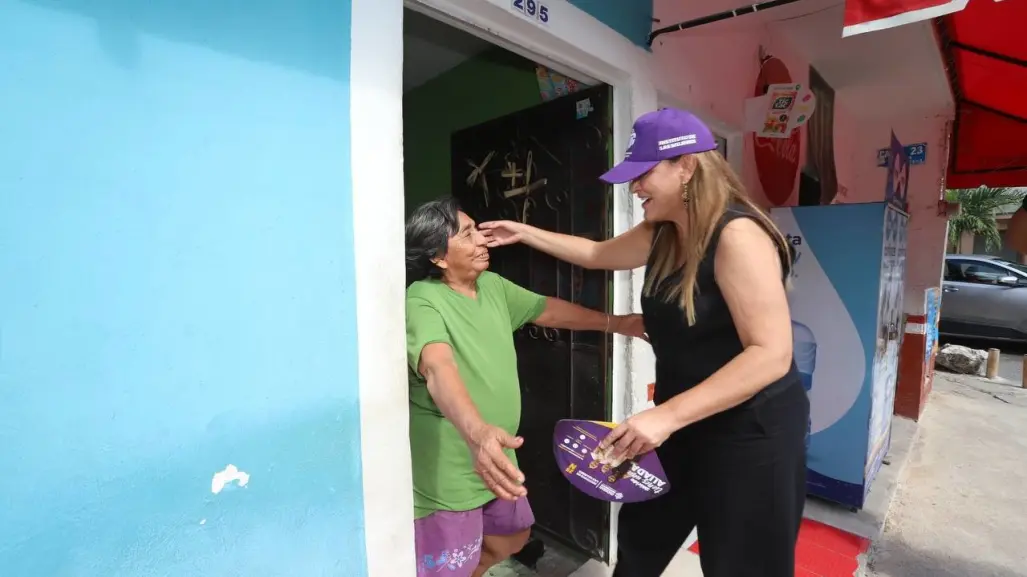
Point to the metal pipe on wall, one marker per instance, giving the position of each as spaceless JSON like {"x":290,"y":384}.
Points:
{"x":725,"y":15}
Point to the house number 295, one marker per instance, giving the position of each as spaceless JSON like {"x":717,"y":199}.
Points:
{"x":532,"y":9}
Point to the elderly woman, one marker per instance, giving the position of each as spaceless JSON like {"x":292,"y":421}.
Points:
{"x":730,"y":416}
{"x":470,"y":504}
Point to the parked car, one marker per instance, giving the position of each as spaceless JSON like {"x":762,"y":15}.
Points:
{"x":984,"y":297}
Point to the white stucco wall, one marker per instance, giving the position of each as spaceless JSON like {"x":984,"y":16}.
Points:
{"x":376,"y":117}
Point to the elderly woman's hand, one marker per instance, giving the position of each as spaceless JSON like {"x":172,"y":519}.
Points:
{"x":630,"y":326}
{"x":638,"y":435}
{"x":501,"y":232}
{"x":498,"y":472}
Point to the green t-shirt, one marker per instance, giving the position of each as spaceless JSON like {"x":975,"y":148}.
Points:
{"x":480,"y":332}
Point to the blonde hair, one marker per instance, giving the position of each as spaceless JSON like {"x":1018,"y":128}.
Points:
{"x":713,"y":189}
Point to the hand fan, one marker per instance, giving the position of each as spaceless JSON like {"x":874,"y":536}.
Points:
{"x":576,"y":448}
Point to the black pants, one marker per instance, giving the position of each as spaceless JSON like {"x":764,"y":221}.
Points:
{"x":740,"y":477}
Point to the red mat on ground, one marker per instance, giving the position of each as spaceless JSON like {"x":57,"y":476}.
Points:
{"x":823,"y":551}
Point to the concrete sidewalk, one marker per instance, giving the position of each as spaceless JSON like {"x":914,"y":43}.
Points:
{"x":961,"y":508}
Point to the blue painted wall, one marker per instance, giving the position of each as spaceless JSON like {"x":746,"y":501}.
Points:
{"x":632,"y":18}
{"x":177,"y":289}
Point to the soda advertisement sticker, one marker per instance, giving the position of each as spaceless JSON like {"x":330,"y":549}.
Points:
{"x":780,"y":111}
{"x":576,"y":448}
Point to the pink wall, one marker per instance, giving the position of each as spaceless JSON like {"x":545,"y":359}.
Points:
{"x":712,"y":73}
{"x":927,"y":230}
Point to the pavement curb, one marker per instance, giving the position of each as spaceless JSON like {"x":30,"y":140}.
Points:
{"x":867,"y":558}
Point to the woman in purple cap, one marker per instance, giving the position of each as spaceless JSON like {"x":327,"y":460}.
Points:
{"x":730,"y":418}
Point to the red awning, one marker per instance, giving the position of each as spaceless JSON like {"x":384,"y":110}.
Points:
{"x":986,"y":47}
{"x":870,"y":15}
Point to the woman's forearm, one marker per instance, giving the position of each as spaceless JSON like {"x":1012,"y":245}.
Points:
{"x":560,"y":314}
{"x":736,"y":382}
{"x":451,"y":397}
{"x":573,"y":249}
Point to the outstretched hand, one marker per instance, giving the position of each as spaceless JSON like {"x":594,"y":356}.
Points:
{"x":501,"y":232}
{"x":504,"y":479}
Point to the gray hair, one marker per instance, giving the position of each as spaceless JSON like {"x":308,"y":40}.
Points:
{"x":428,"y":231}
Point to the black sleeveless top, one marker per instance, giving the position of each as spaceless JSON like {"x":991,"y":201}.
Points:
{"x":688,"y":355}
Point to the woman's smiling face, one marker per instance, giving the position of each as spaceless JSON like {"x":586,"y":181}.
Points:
{"x":661,"y":189}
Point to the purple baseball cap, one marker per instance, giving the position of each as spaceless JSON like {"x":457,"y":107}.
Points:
{"x":661,"y":135}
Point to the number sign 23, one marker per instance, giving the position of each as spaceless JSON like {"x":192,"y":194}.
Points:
{"x":532,"y":9}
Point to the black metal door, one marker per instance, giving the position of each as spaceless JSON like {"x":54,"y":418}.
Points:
{"x":541,"y":166}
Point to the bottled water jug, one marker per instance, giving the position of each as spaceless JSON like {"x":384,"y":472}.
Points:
{"x":804,"y":349}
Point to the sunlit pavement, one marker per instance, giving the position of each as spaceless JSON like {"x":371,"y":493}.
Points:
{"x":959,"y":509}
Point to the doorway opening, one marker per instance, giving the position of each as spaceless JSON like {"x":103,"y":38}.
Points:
{"x":513,"y":139}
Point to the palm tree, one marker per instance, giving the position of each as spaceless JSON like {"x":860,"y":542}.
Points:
{"x":977,"y":210}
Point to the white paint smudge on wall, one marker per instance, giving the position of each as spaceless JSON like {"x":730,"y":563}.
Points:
{"x":225,"y":478}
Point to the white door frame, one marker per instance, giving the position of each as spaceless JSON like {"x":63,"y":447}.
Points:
{"x":572,"y":42}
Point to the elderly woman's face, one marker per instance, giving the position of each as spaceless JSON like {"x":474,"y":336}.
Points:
{"x":660,"y":189}
{"x":466,"y":255}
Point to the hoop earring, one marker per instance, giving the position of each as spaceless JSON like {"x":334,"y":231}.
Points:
{"x":684,"y":192}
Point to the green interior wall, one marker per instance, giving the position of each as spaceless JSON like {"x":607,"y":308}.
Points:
{"x":488,"y":86}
